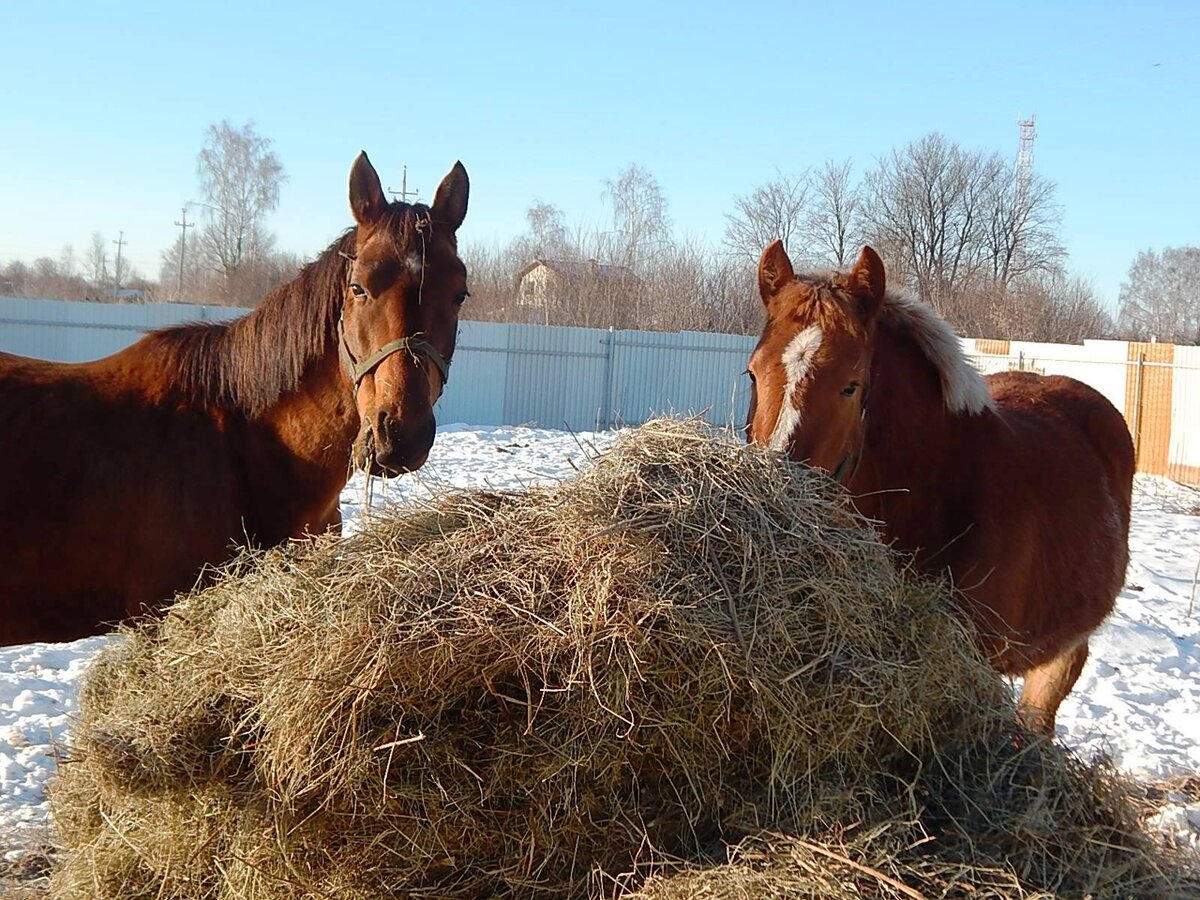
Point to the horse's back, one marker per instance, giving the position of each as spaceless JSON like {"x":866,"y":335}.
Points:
{"x":1054,"y":506}
{"x":1062,"y":404}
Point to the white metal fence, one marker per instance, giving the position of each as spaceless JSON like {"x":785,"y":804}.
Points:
{"x":576,"y":378}
{"x":71,"y":331}
{"x":585,"y":378}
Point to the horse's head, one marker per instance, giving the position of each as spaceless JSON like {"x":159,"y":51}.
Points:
{"x":399,"y":321}
{"x":811,"y":371}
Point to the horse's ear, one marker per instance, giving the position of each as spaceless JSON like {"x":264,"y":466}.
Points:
{"x":867,"y":280}
{"x":450,"y":201}
{"x":366,"y":193}
{"x":774,"y":271}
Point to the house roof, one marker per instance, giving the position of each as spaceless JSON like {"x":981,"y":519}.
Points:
{"x":578,"y":269}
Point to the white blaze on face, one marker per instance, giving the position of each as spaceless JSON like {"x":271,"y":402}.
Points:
{"x":796,"y":358}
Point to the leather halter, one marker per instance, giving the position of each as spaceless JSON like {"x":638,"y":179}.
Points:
{"x":359,"y":370}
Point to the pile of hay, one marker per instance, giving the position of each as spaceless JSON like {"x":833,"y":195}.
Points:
{"x":557,"y":692}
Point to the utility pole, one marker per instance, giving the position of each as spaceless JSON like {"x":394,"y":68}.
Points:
{"x":183,"y":227}
{"x":120,"y":242}
{"x":404,"y":193}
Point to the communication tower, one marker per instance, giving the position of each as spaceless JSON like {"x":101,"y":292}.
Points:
{"x":1025,"y":156}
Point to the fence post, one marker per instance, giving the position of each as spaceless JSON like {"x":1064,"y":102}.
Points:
{"x":1139,"y":374}
{"x":606,"y":411}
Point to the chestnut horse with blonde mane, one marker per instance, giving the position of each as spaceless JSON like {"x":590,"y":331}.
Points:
{"x":123,"y":479}
{"x":1016,"y":484}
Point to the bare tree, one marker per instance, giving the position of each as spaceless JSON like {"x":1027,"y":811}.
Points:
{"x":13,"y":277}
{"x":773,"y":211}
{"x":547,"y":231}
{"x":926,"y":210}
{"x":240,"y":177}
{"x":1040,"y":307}
{"x":66,"y":261}
{"x":1020,"y":233}
{"x":96,"y":263}
{"x":1161,"y":297}
{"x":834,"y":229}
{"x":493,"y":283}
{"x":199,"y":283}
{"x":673,"y":290}
{"x":956,"y":228}
{"x":46,"y":278}
{"x":639,"y":215}
{"x":950,"y":222}
{"x":1075,"y":314}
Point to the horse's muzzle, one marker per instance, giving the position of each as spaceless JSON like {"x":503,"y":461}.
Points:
{"x":392,"y":447}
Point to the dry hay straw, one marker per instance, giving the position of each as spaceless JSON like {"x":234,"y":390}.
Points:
{"x":551,"y":693}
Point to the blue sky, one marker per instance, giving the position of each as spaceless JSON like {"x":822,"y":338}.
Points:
{"x":104,"y":107}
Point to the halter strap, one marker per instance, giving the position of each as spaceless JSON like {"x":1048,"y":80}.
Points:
{"x":359,"y":370}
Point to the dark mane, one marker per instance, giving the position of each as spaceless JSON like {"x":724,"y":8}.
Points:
{"x":251,"y":362}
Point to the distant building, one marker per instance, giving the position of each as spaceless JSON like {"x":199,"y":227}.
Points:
{"x":578,"y":290}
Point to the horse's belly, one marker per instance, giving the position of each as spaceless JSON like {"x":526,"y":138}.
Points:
{"x":68,"y":577}
{"x":1046,"y":585}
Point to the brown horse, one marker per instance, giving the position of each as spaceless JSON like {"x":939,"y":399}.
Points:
{"x":1017,"y":484}
{"x":122,"y":479}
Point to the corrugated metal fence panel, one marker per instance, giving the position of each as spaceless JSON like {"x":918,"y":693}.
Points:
{"x":478,"y":374}
{"x":73,"y":331}
{"x":686,"y":373}
{"x":556,"y":377}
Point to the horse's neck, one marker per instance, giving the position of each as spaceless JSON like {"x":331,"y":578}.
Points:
{"x":297,"y":451}
{"x":318,"y":421}
{"x":910,"y":476}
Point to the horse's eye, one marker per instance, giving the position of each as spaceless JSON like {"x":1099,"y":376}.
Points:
{"x":850,"y":389}
{"x":461,"y":297}
{"x":751,"y":374}
{"x":357,"y":289}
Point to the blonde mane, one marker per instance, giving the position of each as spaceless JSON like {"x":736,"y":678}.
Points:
{"x":963,"y":388}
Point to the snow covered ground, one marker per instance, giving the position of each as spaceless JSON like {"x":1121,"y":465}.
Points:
{"x":1138,"y":699}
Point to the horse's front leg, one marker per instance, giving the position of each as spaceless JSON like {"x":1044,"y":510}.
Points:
{"x":1048,"y":684}
{"x":329,"y":522}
